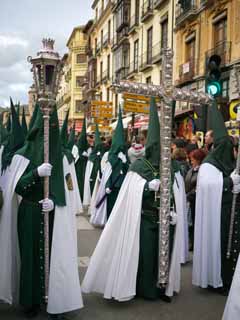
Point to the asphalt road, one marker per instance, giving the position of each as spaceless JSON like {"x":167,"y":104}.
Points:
{"x":191,"y":304}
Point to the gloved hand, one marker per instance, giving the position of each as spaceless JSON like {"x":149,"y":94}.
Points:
{"x":173,"y":218}
{"x":47,"y":205}
{"x":235,"y":178}
{"x":122,"y":157}
{"x":154,"y":185}
{"x":108,"y":190}
{"x":44,"y":170}
{"x":236,"y":189}
{"x":85,"y":154}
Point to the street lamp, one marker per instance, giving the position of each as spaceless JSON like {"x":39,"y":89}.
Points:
{"x":46,"y":68}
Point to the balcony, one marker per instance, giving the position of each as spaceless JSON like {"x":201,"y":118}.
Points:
{"x":98,"y":48}
{"x":146,"y":61}
{"x":134,"y":23}
{"x":158,"y":3}
{"x":222,"y":49}
{"x":119,"y":39}
{"x":133,"y":69}
{"x":147,"y":10}
{"x":188,"y":10}
{"x":105,"y":76}
{"x":187,"y":71}
{"x":120,"y":74}
{"x":106,"y":40}
{"x":157,"y":53}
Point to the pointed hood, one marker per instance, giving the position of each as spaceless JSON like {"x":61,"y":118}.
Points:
{"x":221,"y":156}
{"x":34,"y":116}
{"x":24,"y":124}
{"x":9,"y":123}
{"x":17,"y":136}
{"x":82,"y":143}
{"x":64,"y":130}
{"x":64,"y":139}
{"x":15,"y":139}
{"x":152,"y":147}
{"x":71,"y":139}
{"x":98,"y":148}
{"x":33,"y":150}
{"x":118,"y":141}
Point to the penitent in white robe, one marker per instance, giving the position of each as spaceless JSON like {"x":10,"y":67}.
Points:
{"x":64,"y":287}
{"x":207,"y":240}
{"x":232,"y":308}
{"x":114,"y":264}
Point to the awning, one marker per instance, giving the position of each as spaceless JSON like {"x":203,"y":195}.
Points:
{"x":141,"y":122}
{"x":125,"y":123}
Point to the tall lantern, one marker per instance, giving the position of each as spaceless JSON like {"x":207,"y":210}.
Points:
{"x":46,"y":68}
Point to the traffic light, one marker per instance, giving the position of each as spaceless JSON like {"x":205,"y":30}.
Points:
{"x":213,"y":77}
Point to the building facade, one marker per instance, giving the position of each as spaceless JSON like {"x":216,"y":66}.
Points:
{"x":204,"y":29}
{"x":74,"y":76}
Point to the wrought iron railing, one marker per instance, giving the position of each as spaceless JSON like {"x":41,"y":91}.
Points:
{"x":222,"y":49}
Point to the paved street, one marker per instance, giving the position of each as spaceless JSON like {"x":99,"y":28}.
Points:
{"x":191,"y":304}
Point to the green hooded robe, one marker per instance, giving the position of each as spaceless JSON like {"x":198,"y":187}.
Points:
{"x":148,"y":168}
{"x":30,"y":217}
{"x":222,"y":157}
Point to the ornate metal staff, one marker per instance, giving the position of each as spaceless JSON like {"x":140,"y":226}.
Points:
{"x":46,"y":68}
{"x":232,"y":217}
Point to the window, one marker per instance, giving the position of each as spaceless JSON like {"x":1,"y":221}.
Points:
{"x":137,"y":11}
{"x":149,"y":80}
{"x":81,"y":58}
{"x":149,"y":45}
{"x":225,"y":88}
{"x":109,"y":31}
{"x":101,"y":70}
{"x":135,"y":57}
{"x":96,"y":13}
{"x":78,"y":106}
{"x":108,"y":66}
{"x":95,"y":45}
{"x":164,"y":34}
{"x":101,"y":38}
{"x":190,"y":50}
{"x":220,"y":31}
{"x":108,"y":94}
{"x":79,"y":81}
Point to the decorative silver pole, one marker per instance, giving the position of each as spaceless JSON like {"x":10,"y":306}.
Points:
{"x":165,"y":170}
{"x":46,"y":68}
{"x":234,"y":202}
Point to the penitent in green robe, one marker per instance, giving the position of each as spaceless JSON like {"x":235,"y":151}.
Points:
{"x":149,"y":234}
{"x":31,"y":238}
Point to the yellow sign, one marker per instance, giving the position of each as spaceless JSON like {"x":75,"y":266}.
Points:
{"x":101,"y":103}
{"x":137,"y":103}
{"x":233,"y":109}
{"x":101,"y":109}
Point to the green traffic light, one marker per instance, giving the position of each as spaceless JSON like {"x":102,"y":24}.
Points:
{"x":214,"y":88}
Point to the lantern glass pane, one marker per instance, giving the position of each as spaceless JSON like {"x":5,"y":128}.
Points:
{"x":39,"y":74}
{"x":49,"y":74}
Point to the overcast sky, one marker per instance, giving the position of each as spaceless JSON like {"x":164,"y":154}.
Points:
{"x":23,"y":24}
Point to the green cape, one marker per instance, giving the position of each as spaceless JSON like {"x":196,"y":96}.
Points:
{"x":24,"y":124}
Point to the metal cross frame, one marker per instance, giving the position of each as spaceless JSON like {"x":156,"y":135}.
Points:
{"x":168,"y":94}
